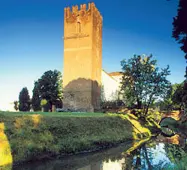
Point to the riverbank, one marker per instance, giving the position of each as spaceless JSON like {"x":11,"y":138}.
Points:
{"x":26,"y":136}
{"x":109,"y":159}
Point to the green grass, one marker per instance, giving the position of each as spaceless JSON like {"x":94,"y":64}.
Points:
{"x":56,"y":114}
{"x":34,"y":136}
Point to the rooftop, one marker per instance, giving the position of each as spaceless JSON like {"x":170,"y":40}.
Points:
{"x":116,"y":73}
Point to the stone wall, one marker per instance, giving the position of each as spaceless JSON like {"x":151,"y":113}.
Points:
{"x":82,"y":57}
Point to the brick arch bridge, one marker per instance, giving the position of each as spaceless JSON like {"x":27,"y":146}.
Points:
{"x":168,"y":131}
{"x":177,"y":115}
{"x":174,"y":114}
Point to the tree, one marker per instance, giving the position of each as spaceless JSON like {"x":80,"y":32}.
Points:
{"x":176,"y":95}
{"x":143,"y":82}
{"x":184,"y":95}
{"x":129,"y":97}
{"x":44,"y":105}
{"x":180,"y":95}
{"x":36,"y":98}
{"x":169,"y":103}
{"x":16,"y":105}
{"x":24,"y":100}
{"x":50,"y":87}
{"x":180,"y":27}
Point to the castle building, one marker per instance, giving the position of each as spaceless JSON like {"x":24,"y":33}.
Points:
{"x":82,"y":58}
{"x":111,"y":83}
{"x":83,"y":77}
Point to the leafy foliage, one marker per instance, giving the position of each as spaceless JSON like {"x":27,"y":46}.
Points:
{"x":142,"y":82}
{"x":175,"y":153}
{"x":24,"y":100}
{"x":43,"y":102}
{"x":172,"y":99}
{"x":111,"y":105}
{"x":45,"y":105}
{"x":177,"y":96}
{"x":180,"y":26}
{"x":180,"y":95}
{"x":36,"y":98}
{"x":184,"y":95}
{"x":49,"y":87}
{"x":16,"y":105}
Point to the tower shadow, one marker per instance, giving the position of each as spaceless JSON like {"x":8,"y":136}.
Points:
{"x":82,"y":95}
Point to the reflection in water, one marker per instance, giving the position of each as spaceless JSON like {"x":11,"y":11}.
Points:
{"x":118,"y":158}
{"x":118,"y":164}
{"x":5,"y":151}
{"x":178,"y":139}
{"x":107,"y":159}
{"x":146,"y":158}
{"x":158,"y":153}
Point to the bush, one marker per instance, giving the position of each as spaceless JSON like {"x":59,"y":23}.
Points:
{"x":107,"y":105}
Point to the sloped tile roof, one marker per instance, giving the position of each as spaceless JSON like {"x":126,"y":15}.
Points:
{"x":116,"y":73}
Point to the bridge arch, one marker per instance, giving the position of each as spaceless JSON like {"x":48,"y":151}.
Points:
{"x":175,"y":115}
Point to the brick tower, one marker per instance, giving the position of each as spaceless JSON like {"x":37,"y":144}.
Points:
{"x":82,"y":58}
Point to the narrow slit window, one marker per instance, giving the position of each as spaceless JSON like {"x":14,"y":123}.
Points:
{"x":79,"y":27}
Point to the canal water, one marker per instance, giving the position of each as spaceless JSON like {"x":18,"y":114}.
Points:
{"x":156,"y":154}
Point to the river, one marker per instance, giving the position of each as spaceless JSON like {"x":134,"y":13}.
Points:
{"x":157,"y":153}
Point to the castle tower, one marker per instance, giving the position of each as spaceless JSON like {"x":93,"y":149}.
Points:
{"x":82,"y":58}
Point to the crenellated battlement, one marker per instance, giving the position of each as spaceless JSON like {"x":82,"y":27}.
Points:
{"x":83,"y":8}
{"x":82,"y":57}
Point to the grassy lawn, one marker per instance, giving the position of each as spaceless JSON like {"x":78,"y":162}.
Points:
{"x":34,"y":135}
{"x":56,"y":114}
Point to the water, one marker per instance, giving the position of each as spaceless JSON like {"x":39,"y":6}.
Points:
{"x":158,"y":153}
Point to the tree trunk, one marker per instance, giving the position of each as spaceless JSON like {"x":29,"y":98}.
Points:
{"x":139,"y":104}
{"x":53,"y":108}
{"x":147,"y":108}
{"x":147,"y":158}
{"x":138,"y":160}
{"x":144,"y":106}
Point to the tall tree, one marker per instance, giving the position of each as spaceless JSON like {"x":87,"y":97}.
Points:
{"x":143,"y":82}
{"x":24,"y":100}
{"x":171,"y":102}
{"x":36,"y":98}
{"x":180,"y":27}
{"x":180,"y":95}
{"x":50,"y":87}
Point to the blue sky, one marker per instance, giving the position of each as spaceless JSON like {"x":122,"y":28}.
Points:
{"x":31,"y":38}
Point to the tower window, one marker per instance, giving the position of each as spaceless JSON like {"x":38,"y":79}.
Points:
{"x":78,"y":27}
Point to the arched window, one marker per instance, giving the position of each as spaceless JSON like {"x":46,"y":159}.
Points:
{"x":78,"y":27}
{"x":78,"y":24}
